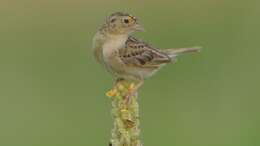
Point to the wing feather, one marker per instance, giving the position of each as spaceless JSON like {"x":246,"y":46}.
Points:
{"x":138,"y":53}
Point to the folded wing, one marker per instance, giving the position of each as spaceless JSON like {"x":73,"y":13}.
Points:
{"x":140,"y":54}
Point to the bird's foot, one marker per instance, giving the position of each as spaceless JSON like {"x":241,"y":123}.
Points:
{"x":131,"y":92}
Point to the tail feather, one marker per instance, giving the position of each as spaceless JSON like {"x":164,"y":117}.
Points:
{"x":172,"y":53}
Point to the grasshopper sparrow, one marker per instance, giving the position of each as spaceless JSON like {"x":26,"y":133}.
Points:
{"x":126,"y":57}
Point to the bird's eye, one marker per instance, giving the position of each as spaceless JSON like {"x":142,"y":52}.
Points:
{"x":126,"y":20}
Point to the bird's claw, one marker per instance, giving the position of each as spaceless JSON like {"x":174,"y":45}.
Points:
{"x":131,"y":92}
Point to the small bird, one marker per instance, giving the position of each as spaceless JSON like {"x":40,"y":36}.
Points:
{"x":126,"y":57}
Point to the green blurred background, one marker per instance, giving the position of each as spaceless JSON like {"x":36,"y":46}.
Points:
{"x":52,"y":90}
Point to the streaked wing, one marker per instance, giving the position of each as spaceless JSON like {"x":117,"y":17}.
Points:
{"x":138,"y":53}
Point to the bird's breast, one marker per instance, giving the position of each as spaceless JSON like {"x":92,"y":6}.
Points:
{"x":112,"y":45}
{"x":111,"y":56}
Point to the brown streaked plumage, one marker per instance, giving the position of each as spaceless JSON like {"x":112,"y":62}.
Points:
{"x":126,"y":57}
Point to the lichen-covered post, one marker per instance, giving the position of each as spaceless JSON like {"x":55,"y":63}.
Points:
{"x":126,"y":116}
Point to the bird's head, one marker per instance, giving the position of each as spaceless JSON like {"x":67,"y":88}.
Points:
{"x":122,"y":23}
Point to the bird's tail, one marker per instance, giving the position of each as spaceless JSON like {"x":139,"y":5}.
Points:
{"x":173,"y":53}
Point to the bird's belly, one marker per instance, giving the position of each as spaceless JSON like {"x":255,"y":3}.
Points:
{"x":141,"y":73}
{"x":121,"y":70}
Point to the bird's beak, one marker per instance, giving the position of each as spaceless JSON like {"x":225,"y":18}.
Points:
{"x":138,"y":27}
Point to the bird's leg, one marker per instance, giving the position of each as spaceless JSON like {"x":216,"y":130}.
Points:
{"x":118,"y":80}
{"x":133,"y":90}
